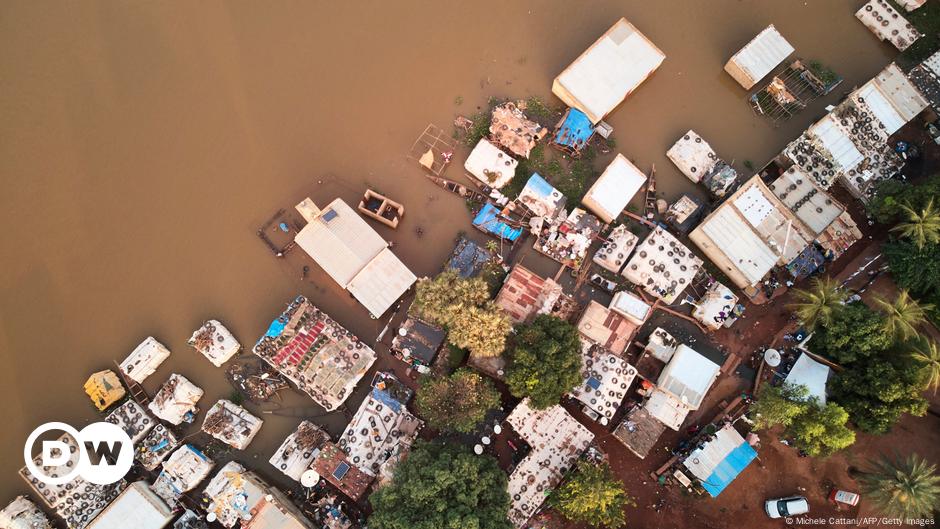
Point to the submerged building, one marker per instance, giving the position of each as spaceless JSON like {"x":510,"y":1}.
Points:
{"x":353,"y":254}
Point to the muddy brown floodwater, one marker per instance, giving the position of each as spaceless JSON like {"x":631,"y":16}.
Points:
{"x":143,"y":143}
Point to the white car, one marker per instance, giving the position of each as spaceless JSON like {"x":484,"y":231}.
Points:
{"x":783,"y":507}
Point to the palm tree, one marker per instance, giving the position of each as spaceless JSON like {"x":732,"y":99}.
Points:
{"x":902,"y":487}
{"x":921,"y":227}
{"x":903,"y":315}
{"x":819,"y":303}
{"x":929,"y":358}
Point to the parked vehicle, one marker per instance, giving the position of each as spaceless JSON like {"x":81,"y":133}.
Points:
{"x":783,"y":507}
{"x":844,"y":496}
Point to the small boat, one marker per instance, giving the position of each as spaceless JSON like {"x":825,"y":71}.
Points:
{"x":381,"y":208}
{"x":650,"y":209}
{"x":458,"y":189}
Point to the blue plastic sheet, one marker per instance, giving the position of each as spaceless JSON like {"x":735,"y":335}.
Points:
{"x":729,"y":468}
{"x":488,"y":220}
{"x":576,"y":130}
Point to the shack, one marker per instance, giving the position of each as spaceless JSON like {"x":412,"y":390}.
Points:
{"x":332,"y":464}
{"x":215,"y":342}
{"x":614,"y":189}
{"x":525,"y":295}
{"x":182,"y":472}
{"x":662,"y":266}
{"x":22,"y":513}
{"x":573,"y":132}
{"x":557,"y":440}
{"x":490,"y":220}
{"x":137,"y":507}
{"x":231,"y":424}
{"x":314,"y":352}
{"x":511,"y":129}
{"x":750,"y":233}
{"x":354,"y":255}
{"x":688,"y":376}
{"x":238,"y":496}
{"x":758,"y":57}
{"x":417,"y":342}
{"x":381,"y":429}
{"x":104,"y":388}
{"x":716,"y":306}
{"x":566,"y":239}
{"x":888,"y":24}
{"x":699,"y":162}
{"x":176,"y":400}
{"x":718,"y":461}
{"x":631,"y":306}
{"x":608,"y":71}
{"x":299,"y":449}
{"x":926,"y":78}
{"x":613,"y":254}
{"x":607,"y":328}
{"x":133,"y":419}
{"x":158,"y":444}
{"x":811,"y":374}
{"x":639,"y":431}
{"x":684,"y":214}
{"x":490,"y":165}
{"x":144,"y":360}
{"x":468,"y":258}
{"x":541,"y":198}
{"x":606,"y":380}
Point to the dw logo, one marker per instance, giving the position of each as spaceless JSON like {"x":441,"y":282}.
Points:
{"x":101,"y":453}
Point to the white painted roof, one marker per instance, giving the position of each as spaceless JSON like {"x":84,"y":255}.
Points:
{"x":662,"y":266}
{"x":836,"y":142}
{"x":932,"y":63}
{"x":888,"y":24}
{"x":175,"y":398}
{"x":340,"y":241}
{"x":803,"y":196}
{"x":744,"y":250}
{"x":136,"y":507}
{"x":381,"y":282}
{"x":612,"y":375}
{"x":810,"y":373}
{"x":614,"y":189}
{"x":144,"y":359}
{"x":607,"y":72}
{"x":490,"y":165}
{"x":892,"y":98}
{"x":215,"y":342}
{"x":631,"y":306}
{"x":718,"y":299}
{"x":703,"y":461}
{"x":666,"y":409}
{"x":693,"y":156}
{"x":688,"y":376}
{"x":759,"y":57}
{"x":22,"y":513}
{"x":753,"y":206}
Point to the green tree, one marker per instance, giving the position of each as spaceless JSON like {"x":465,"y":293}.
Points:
{"x":854,"y":332}
{"x":442,"y":486}
{"x":921,"y":225}
{"x":819,"y":303}
{"x":890,"y":195}
{"x":456,"y":403}
{"x":903,"y":315}
{"x":819,"y":430}
{"x":927,"y":356}
{"x":464,"y":308}
{"x":915,"y":269}
{"x":545,"y":361}
{"x":877,"y":390}
{"x":902,"y":487}
{"x":592,"y":495}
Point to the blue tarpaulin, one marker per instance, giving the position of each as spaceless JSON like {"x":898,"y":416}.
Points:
{"x":468,"y":258}
{"x":488,"y":220}
{"x":275,"y":329}
{"x":575,"y":131}
{"x":729,"y":468}
{"x":385,"y":398}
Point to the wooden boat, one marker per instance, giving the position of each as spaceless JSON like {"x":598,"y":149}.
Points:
{"x":458,"y":189}
{"x":381,"y":208}
{"x":650,"y":209}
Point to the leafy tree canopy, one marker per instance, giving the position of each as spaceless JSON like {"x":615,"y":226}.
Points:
{"x":915,"y":269}
{"x":877,"y":390}
{"x":545,"y":361}
{"x":592,"y":495}
{"x":443,"y":487}
{"x":855,"y":332}
{"x":819,"y":430}
{"x":902,"y":487}
{"x":458,"y":402}
{"x":890,"y":195}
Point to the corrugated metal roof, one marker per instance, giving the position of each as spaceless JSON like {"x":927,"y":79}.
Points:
{"x":932,"y":63}
{"x":760,"y":56}
{"x":631,"y":306}
{"x":693,"y":156}
{"x":381,"y":282}
{"x":666,"y":409}
{"x":746,"y":252}
{"x":607,"y":72}
{"x":719,"y":461}
{"x":343,"y":245}
{"x":688,"y":376}
{"x":836,"y":142}
{"x":490,"y":165}
{"x":892,"y":98}
{"x":811,"y":204}
{"x":136,"y":507}
{"x":888,"y":24}
{"x":614,"y":189}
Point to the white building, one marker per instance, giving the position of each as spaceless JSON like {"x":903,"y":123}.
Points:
{"x":239,"y":497}
{"x":615,"y":251}
{"x":137,"y":507}
{"x":688,"y":376}
{"x":604,"y":75}
{"x":183,"y":471}
{"x":662,"y":266}
{"x":22,"y":513}
{"x":490,"y":165}
{"x":607,"y":378}
{"x":176,"y":400}
{"x":231,"y":424}
{"x":758,"y":57}
{"x":811,"y":374}
{"x":693,"y":156}
{"x":631,"y":307}
{"x":354,"y":255}
{"x":144,"y":359}
{"x":888,"y":24}
{"x":299,"y":449}
{"x":215,"y":342}
{"x":614,"y":189}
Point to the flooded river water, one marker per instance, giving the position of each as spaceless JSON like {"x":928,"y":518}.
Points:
{"x":143,"y":143}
